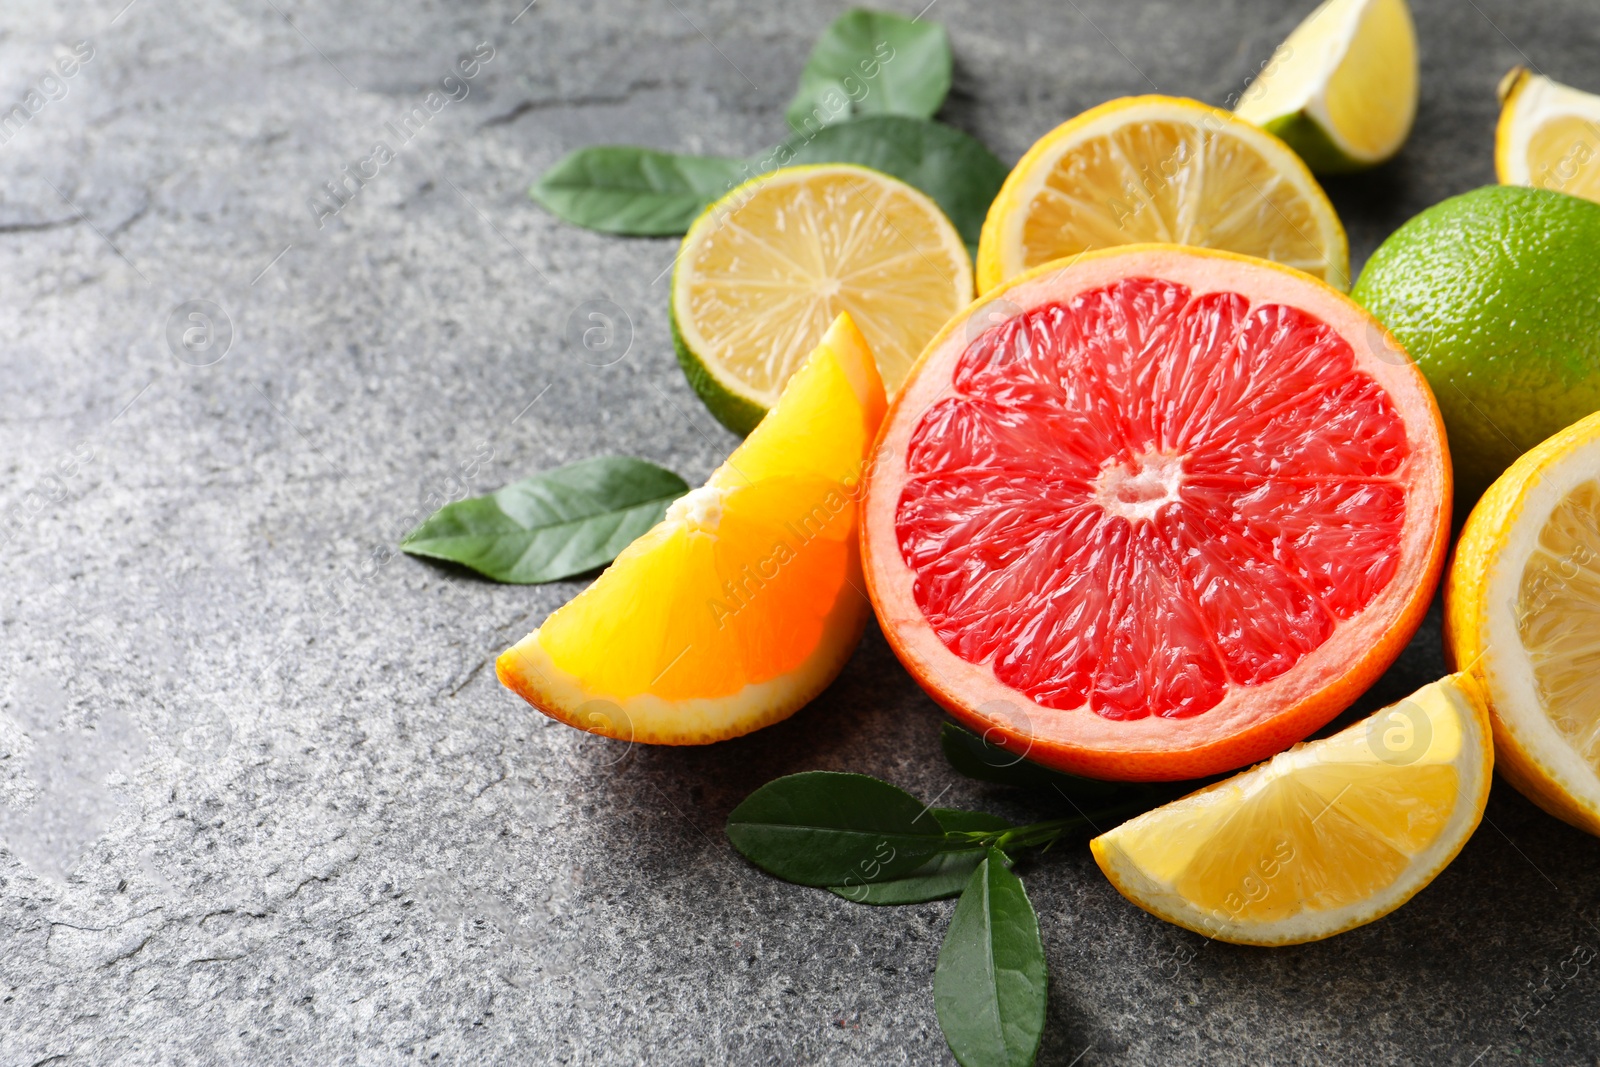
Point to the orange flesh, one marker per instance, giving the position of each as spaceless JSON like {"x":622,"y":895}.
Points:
{"x":763,"y":559}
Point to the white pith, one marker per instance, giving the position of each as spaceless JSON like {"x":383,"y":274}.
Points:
{"x":699,"y":509}
{"x":1137,"y":490}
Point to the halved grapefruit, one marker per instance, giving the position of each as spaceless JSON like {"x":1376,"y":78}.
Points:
{"x":1156,"y":512}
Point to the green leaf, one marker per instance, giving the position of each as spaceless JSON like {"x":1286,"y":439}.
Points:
{"x":976,"y":758}
{"x":940,"y":877}
{"x":989,"y":986}
{"x":635,"y":191}
{"x":957,"y":172}
{"x":554,"y":525}
{"x":823,"y":828}
{"x":943,"y":875}
{"x":872,"y":63}
{"x":639,"y":191}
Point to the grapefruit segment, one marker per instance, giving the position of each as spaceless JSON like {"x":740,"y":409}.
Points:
{"x":1176,"y":511}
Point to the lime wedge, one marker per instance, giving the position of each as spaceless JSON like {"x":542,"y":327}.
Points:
{"x":1342,"y":89}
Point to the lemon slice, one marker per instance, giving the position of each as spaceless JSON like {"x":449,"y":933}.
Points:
{"x":746,"y":600}
{"x":1342,"y":89}
{"x":1322,"y":838}
{"x":1548,"y":137}
{"x":1522,"y":614}
{"x":765,"y":270}
{"x":1167,"y":170}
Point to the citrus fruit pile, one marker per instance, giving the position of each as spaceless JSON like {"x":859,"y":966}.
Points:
{"x":1164,"y":500}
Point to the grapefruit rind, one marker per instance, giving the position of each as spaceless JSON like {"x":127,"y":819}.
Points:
{"x":1250,"y":724}
{"x":1480,"y":626}
{"x":1145,"y":858}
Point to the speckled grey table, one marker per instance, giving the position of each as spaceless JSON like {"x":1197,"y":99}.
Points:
{"x":263,"y":800}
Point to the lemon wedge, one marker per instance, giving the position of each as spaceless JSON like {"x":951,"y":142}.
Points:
{"x":746,"y":600}
{"x":1166,"y":170}
{"x":1522,"y":615}
{"x":1548,"y":136}
{"x":1322,"y":838}
{"x":1342,"y":89}
{"x":764,"y":271}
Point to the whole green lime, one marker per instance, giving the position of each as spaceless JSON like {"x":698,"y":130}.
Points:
{"x":1496,"y":295}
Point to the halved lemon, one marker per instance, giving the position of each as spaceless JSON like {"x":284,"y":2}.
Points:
{"x":1160,"y":169}
{"x":1322,"y":838}
{"x":1522,"y":615}
{"x":765,"y":270}
{"x":746,"y":600}
{"x":1342,"y":89}
{"x":1549,"y":135}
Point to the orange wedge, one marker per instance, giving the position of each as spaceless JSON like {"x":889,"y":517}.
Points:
{"x":746,"y":600}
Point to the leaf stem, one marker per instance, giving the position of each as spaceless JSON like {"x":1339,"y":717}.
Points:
{"x":1047,"y":832}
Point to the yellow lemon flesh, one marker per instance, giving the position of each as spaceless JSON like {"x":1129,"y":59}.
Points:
{"x":1167,"y":170}
{"x":1342,"y":90}
{"x":746,"y":600}
{"x":1522,"y":615}
{"x":1322,"y":838}
{"x":765,"y":270}
{"x":1548,"y":136}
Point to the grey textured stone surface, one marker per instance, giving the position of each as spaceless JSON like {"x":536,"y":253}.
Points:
{"x":263,"y":800}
